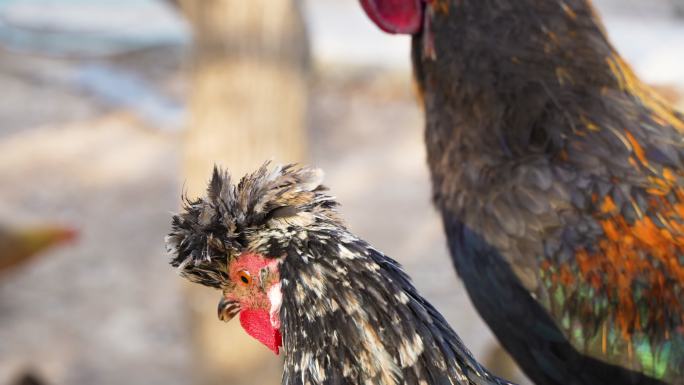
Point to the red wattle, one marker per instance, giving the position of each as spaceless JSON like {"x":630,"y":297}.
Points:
{"x":395,"y":16}
{"x":257,"y":323}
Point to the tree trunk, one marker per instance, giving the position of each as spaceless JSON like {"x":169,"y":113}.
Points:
{"x":248,"y":104}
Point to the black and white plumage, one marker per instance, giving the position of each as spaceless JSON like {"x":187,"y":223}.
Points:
{"x":347,"y":313}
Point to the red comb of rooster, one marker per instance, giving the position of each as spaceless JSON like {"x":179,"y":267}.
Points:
{"x":395,"y":16}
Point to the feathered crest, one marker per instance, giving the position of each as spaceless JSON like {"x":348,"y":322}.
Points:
{"x":210,"y":229}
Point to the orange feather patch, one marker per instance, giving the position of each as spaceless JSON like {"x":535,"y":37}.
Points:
{"x":639,"y":252}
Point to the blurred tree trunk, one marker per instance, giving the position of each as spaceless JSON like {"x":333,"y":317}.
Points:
{"x":248,"y":104}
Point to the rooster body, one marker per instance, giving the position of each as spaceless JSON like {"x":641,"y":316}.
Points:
{"x":559,"y":178}
{"x":287,"y":264}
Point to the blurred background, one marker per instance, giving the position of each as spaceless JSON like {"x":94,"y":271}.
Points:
{"x":111,"y":108}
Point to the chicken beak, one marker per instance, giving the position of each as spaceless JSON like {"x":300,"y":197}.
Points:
{"x":227,"y":309}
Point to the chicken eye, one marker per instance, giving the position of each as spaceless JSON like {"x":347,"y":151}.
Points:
{"x":245,"y":277}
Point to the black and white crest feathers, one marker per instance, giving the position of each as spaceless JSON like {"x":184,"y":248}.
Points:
{"x":225,"y":221}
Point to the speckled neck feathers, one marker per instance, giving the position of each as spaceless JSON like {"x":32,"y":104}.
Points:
{"x":352,"y":316}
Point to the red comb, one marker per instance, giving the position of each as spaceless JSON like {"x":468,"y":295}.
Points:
{"x":395,"y":16}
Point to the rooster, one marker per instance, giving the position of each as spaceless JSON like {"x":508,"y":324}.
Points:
{"x":559,"y":178}
{"x":342,"y":312}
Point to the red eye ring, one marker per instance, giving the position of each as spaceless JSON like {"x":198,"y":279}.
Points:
{"x":245,"y":277}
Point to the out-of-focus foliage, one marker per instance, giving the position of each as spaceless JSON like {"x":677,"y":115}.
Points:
{"x":18,"y":246}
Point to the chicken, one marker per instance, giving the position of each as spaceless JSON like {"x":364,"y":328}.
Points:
{"x":558,"y":175}
{"x":342,"y":312}
{"x":18,"y":246}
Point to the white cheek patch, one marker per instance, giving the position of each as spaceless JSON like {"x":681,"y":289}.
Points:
{"x":275,"y":296}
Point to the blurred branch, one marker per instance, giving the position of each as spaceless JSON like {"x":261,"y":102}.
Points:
{"x":248,"y":104}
